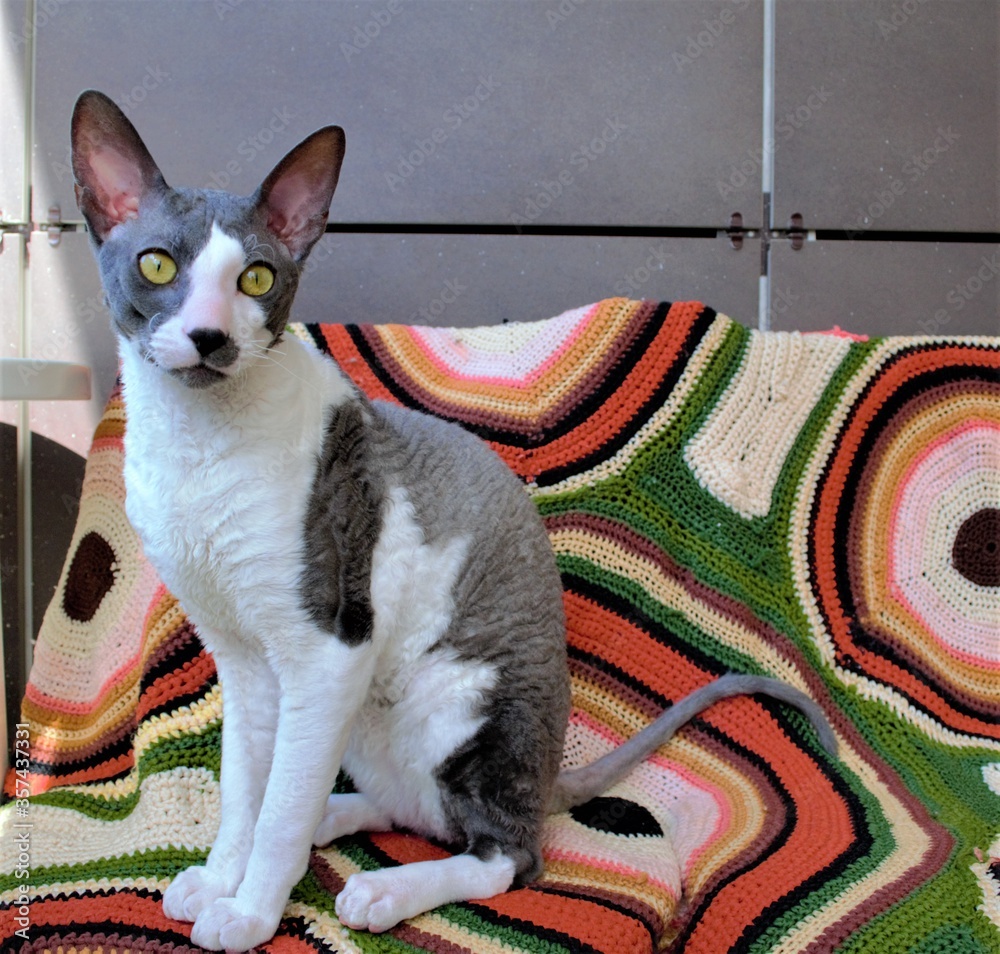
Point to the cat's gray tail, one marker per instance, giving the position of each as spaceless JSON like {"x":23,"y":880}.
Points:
{"x":576,"y":786}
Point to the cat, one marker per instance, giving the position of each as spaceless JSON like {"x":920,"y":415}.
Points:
{"x":375,"y":585}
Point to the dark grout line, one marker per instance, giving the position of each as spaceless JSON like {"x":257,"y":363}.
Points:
{"x":613,"y":231}
{"x":607,"y":231}
{"x":886,"y":235}
{"x":659,"y":231}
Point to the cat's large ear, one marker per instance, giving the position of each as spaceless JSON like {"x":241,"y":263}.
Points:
{"x":114,"y":171}
{"x":296,"y":195}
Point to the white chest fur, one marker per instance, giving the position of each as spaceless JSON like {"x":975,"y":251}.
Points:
{"x":217,"y":482}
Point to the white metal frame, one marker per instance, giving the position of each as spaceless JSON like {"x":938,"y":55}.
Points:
{"x":25,"y":380}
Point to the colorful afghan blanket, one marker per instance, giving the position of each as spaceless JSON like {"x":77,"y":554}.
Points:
{"x":818,"y":508}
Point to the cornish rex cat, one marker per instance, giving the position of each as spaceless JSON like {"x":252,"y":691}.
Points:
{"x":375,"y":585}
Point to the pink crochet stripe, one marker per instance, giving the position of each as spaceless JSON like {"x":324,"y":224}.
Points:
{"x":718,"y":796}
{"x":963,"y":655}
{"x":427,"y":339}
{"x":106,"y":443}
{"x":837,"y":332}
{"x":121,"y":674}
{"x":603,"y":864}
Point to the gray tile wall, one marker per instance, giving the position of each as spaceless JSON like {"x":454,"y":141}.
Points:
{"x":887,"y":114}
{"x":484,"y":112}
{"x":638,"y":117}
{"x":510,"y":160}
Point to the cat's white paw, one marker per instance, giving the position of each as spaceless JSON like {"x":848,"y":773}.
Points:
{"x":225,"y":925}
{"x":193,"y":890}
{"x":370,"y":901}
{"x":347,"y":814}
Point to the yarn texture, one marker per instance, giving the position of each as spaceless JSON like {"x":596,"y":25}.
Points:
{"x":820,"y":508}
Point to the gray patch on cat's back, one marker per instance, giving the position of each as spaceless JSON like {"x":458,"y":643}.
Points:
{"x":459,"y":487}
{"x":342,"y":525}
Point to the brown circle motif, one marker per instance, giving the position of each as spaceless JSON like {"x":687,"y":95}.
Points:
{"x":976,"y":551}
{"x":91,"y":577}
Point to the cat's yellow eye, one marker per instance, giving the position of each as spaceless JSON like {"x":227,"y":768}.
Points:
{"x":158,"y":267}
{"x":256,"y":280}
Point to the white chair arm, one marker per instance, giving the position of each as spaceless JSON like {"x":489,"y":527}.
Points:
{"x":27,"y":379}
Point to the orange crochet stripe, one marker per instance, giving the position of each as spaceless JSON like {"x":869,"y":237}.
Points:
{"x":344,"y":351}
{"x":595,"y":629}
{"x":591,"y":922}
{"x":189,"y":678}
{"x":635,"y":392}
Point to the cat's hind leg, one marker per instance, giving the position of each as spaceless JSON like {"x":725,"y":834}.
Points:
{"x":494,"y":789}
{"x":347,"y":814}
{"x":378,"y":900}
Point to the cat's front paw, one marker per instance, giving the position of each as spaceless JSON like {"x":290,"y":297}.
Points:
{"x":226,"y":925}
{"x":370,"y":901}
{"x":193,"y":890}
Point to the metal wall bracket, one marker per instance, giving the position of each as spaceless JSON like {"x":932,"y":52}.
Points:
{"x":12,"y":228}
{"x":735,"y":230}
{"x":54,"y":227}
{"x":796,"y":231}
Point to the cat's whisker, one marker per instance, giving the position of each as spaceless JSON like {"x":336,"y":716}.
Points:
{"x":259,"y":352}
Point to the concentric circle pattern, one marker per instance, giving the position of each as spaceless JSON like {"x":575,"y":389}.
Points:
{"x":905,"y":534}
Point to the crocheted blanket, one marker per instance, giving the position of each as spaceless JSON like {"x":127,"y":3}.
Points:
{"x":819,"y":508}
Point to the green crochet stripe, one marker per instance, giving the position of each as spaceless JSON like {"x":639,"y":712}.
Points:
{"x":464,"y":916}
{"x":382,"y":944}
{"x":153,"y":863}
{"x":192,"y":750}
{"x":672,"y":620}
{"x":946,"y":907}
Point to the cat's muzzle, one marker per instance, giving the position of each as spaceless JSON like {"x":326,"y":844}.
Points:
{"x":216,"y":351}
{"x":198,"y":376}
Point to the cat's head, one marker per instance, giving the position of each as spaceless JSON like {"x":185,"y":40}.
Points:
{"x":199,"y":282}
